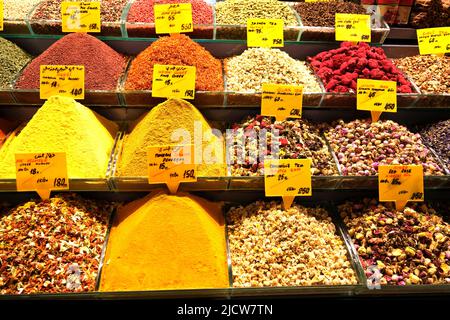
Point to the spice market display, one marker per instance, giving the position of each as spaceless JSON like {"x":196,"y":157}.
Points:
{"x":318,"y":167}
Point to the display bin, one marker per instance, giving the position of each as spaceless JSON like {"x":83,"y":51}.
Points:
{"x":7,"y":96}
{"x":16,"y":27}
{"x":136,"y":98}
{"x":345,"y":290}
{"x":379,"y":31}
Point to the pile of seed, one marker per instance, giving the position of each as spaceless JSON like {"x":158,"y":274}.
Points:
{"x":289,"y":139}
{"x":255,"y":66}
{"x":235,"y":12}
{"x":431,"y":73}
{"x":52,"y":246}
{"x":322,"y":14}
{"x":18,"y":9}
{"x":274,"y":247}
{"x":111,"y":10}
{"x":411,"y":246}
{"x":361,"y":146}
{"x":437,"y":136}
{"x":12,"y":61}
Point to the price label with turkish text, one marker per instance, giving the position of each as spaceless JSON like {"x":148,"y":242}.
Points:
{"x":41,"y":172}
{"x":62,"y":80}
{"x":265,"y":33}
{"x":281,"y":101}
{"x":434,"y":40}
{"x":171,"y":165}
{"x":80,"y":16}
{"x":173,"y":18}
{"x":376,"y":95}
{"x":400,"y":183}
{"x":352,"y":27}
{"x":287,"y":178}
{"x":171,"y":81}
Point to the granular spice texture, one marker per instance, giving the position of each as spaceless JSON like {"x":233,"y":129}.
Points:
{"x":171,"y":242}
{"x":430,"y":73}
{"x":142,"y":10}
{"x":340,"y":68}
{"x":64,"y":125}
{"x":18,"y":9}
{"x":157,"y":127}
{"x":272,"y":247}
{"x":236,"y":12}
{"x":255,"y":66}
{"x":52,"y":246}
{"x":411,"y":246}
{"x":111,"y":10}
{"x":12,"y":61}
{"x":103,"y":65}
{"x":176,"y":49}
{"x":437,"y":136}
{"x":322,"y":14}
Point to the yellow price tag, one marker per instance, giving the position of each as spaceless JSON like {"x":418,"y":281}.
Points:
{"x":317,"y":0}
{"x":41,"y":172}
{"x":62,"y":80}
{"x":400,"y":183}
{"x":173,"y":18}
{"x":287,"y":178}
{"x":1,"y":15}
{"x":80,"y":16}
{"x":265,"y":33}
{"x":434,"y":40}
{"x":281,"y":101}
{"x":352,"y":27}
{"x":171,"y":81}
{"x":171,"y":165}
{"x":376,"y":96}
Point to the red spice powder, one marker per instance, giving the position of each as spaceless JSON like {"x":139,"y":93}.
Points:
{"x":340,"y":68}
{"x":142,"y":11}
{"x":176,"y":49}
{"x":103,"y":65}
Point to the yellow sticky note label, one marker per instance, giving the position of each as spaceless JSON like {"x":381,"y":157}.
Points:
{"x":61,"y":80}
{"x":173,"y":18}
{"x":171,"y":165}
{"x":80,"y":16}
{"x":171,"y":81}
{"x":400,"y":183}
{"x":41,"y":172}
{"x":265,"y":33}
{"x":376,"y":95}
{"x":287,"y":178}
{"x":281,"y":101}
{"x":352,"y":27}
{"x":434,"y":40}
{"x":1,"y":15}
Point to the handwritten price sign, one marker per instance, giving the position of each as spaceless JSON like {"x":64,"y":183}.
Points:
{"x":62,"y":80}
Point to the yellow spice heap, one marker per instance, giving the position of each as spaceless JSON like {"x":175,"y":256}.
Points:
{"x":166,"y":242}
{"x":160,"y":126}
{"x":64,"y":125}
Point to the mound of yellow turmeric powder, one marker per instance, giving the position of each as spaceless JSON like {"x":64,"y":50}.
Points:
{"x":175,"y":121}
{"x":64,"y":125}
{"x":166,"y":242}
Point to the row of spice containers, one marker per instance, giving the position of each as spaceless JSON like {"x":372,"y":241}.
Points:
{"x":225,"y":20}
{"x":104,"y":155}
{"x":77,"y":244}
{"x":329,"y":77}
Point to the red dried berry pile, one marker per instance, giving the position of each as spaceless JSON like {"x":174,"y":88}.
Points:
{"x":340,"y":68}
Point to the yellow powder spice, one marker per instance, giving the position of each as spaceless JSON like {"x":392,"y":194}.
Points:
{"x":64,"y":125}
{"x":175,"y":121}
{"x":166,"y":242}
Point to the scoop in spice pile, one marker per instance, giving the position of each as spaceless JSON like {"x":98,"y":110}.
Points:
{"x":411,"y":246}
{"x":298,"y":139}
{"x":52,"y":246}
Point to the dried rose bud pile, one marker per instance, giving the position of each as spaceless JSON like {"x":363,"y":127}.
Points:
{"x":298,"y":139}
{"x":298,"y":247}
{"x":52,"y":246}
{"x":407,"y":247}
{"x":361,"y":146}
{"x":340,"y":68}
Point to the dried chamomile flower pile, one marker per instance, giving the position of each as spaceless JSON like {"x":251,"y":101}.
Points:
{"x":270,"y":246}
